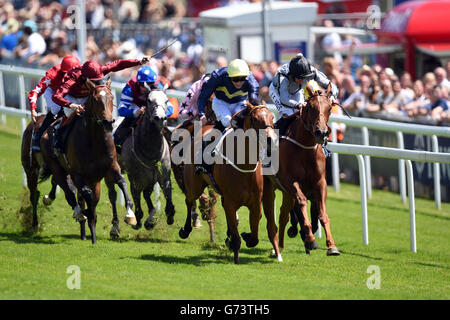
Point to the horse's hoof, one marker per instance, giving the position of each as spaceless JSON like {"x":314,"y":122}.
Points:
{"x":137,"y":226}
{"x":115,"y":232}
{"x":149,"y":225}
{"x":80,"y":217}
{"x":46,"y":200}
{"x":333,"y":252}
{"x":170,"y":220}
{"x":292,"y":232}
{"x":183,"y":233}
{"x":130,"y":220}
{"x":249,"y":241}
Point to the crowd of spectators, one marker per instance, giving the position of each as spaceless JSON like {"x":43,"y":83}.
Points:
{"x":40,"y":33}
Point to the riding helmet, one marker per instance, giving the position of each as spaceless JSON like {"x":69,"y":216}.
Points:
{"x":299,"y":67}
{"x":238,"y":68}
{"x":92,"y":70}
{"x":69,"y":62}
{"x":146,"y":74}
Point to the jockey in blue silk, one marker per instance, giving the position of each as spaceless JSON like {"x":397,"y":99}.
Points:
{"x":133,"y":101}
{"x":232,"y":86}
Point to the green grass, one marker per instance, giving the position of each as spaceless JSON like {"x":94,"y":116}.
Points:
{"x":157,"y":264}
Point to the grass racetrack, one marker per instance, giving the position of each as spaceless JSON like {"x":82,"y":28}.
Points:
{"x":158,"y":264}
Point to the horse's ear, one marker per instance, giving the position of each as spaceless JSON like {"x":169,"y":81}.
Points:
{"x":264,"y":103}
{"x":328,"y":93}
{"x":250,"y":106}
{"x":90,"y":84}
{"x":108,"y":82}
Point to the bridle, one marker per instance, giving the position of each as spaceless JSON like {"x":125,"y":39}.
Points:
{"x":107,"y":124}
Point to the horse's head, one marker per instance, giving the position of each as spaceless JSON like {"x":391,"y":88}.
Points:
{"x":100,"y":103}
{"x":157,"y":104}
{"x":317,"y":111}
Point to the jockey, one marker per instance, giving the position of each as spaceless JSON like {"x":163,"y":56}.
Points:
{"x":189,"y":108}
{"x":133,"y":101}
{"x":47,"y":86}
{"x":285,"y":89}
{"x":232,"y":86}
{"x":73,"y":92}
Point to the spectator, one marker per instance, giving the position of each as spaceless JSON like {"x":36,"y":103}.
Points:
{"x":438,"y":105}
{"x":429,"y":80}
{"x":447,"y":69}
{"x":32,"y":43}
{"x":332,"y":40}
{"x":441,"y":78}
{"x":347,"y":87}
{"x":272,"y":68}
{"x":419,"y":99}
{"x":399,"y":100}
{"x":406,"y":83}
{"x":221,"y":61}
{"x":128,"y":11}
{"x":330,"y":69}
{"x":360,"y":98}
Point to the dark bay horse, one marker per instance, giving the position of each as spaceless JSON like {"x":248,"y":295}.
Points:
{"x":36,"y":170}
{"x":89,"y":156}
{"x":145,"y":157}
{"x":207,"y":202}
{"x":301,"y":175}
{"x":239,"y":183}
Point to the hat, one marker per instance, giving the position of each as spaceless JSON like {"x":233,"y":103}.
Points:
{"x":31,"y":24}
{"x":12,"y":25}
{"x":364,"y":70}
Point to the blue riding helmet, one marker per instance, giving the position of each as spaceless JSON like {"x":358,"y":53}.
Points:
{"x":146,"y":74}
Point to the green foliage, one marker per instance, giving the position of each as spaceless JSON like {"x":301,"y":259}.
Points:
{"x":157,"y":264}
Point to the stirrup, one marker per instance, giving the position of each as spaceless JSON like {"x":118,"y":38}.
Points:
{"x":326,"y":152}
{"x":199,"y":168}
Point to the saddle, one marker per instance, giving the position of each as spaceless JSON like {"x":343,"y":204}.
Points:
{"x":60,"y":130}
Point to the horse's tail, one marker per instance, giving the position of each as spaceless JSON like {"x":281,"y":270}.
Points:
{"x":44,"y":173}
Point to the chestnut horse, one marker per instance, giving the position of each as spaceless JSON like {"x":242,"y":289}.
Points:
{"x":301,"y":175}
{"x":36,"y":170}
{"x":239,"y":184}
{"x":89,"y":156}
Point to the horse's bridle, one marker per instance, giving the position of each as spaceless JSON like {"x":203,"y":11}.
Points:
{"x":107,"y":125}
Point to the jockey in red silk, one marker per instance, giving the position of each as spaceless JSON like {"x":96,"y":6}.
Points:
{"x":73,"y":92}
{"x":47,"y":86}
{"x":134,"y":99}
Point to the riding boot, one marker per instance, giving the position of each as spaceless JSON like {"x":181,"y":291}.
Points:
{"x":49,"y":118}
{"x":282,"y":124}
{"x":203,"y":167}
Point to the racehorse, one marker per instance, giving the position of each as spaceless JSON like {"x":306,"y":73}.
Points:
{"x":301,"y":175}
{"x":36,"y":170}
{"x":207,"y":202}
{"x":145,"y":157}
{"x":89,"y":156}
{"x":238,"y":184}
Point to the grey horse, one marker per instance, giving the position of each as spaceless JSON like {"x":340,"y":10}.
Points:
{"x":145,"y":157}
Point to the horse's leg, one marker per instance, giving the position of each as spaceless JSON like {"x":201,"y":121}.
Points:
{"x":208,"y":211}
{"x":166,"y":186}
{"x":251,"y":239}
{"x":301,"y":205}
{"x":91,"y":202}
{"x":82,"y":204}
{"x":235,"y":240}
{"x":194,"y":189}
{"x":286,"y":206}
{"x":151,"y":220}
{"x":48,"y":199}
{"x":196,"y":223}
{"x":293,"y":229}
{"x":112,"y":195}
{"x":114,"y":175}
{"x":325,"y":221}
{"x":32,"y":183}
{"x":136,"y":194}
{"x":268,"y":201}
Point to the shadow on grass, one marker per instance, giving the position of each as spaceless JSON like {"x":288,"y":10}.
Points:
{"x":26,"y":237}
